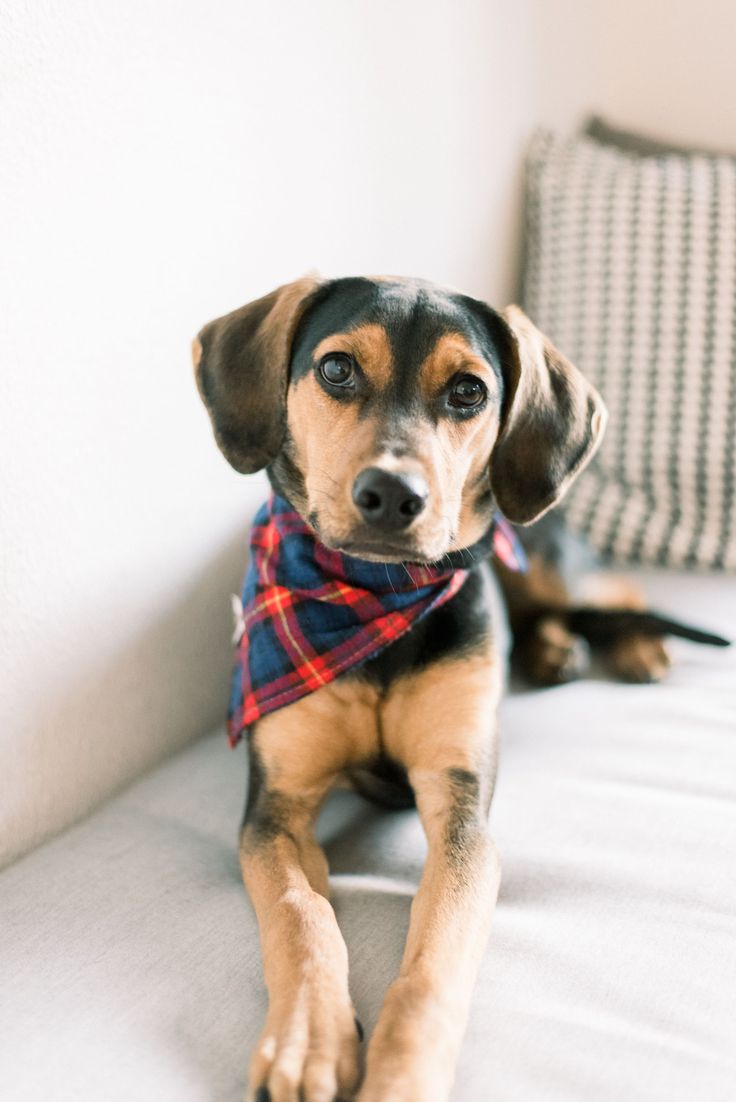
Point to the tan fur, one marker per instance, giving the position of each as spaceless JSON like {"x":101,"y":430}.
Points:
{"x":636,"y":658}
{"x":452,"y":355}
{"x":554,"y":633}
{"x":196,"y":353}
{"x":639,"y":658}
{"x":309,"y":1040}
{"x":611,"y":591}
{"x":540,"y":584}
{"x":452,"y":457}
{"x":328,"y":486}
{"x":320,"y":734}
{"x":430,"y":720}
{"x":440,"y":724}
{"x":552,"y":655}
{"x":369,"y":345}
{"x":465,"y":446}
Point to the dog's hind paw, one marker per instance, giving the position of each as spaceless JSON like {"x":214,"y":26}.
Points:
{"x":640,"y":659}
{"x":552,"y":655}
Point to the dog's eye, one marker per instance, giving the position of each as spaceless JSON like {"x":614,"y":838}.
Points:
{"x":337,"y":369}
{"x":468,"y":393}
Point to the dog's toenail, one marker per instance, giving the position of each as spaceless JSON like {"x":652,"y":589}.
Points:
{"x":359,"y":1029}
{"x":263,"y":1095}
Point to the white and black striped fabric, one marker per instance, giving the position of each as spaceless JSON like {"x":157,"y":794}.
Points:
{"x":631,"y":270}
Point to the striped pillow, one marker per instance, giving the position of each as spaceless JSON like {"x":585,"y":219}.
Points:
{"x":631,"y":270}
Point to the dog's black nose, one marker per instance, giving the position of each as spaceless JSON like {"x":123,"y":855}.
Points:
{"x":387,"y":500}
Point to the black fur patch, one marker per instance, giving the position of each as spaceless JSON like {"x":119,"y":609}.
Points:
{"x":461,"y":626}
{"x":385,"y":782}
{"x":266,"y":812}
{"x":285,"y":475}
{"x":465,"y":814}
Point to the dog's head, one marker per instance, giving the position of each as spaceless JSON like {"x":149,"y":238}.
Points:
{"x":395,"y":415}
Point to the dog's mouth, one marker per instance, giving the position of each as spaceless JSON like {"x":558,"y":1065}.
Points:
{"x":365,"y":542}
{"x":391,"y":548}
{"x":383,"y":552}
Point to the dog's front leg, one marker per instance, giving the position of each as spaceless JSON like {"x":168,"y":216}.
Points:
{"x":446,"y":736}
{"x":308,"y":1049}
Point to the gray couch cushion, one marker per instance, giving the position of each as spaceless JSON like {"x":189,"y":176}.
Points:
{"x":130,"y":961}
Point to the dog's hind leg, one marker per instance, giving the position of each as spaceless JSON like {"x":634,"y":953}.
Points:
{"x":309,"y":1046}
{"x":545,"y":651}
{"x":633,"y":657}
{"x":563,"y":576}
{"x":440,"y":724}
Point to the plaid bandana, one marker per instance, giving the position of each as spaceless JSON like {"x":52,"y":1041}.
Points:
{"x":309,"y":614}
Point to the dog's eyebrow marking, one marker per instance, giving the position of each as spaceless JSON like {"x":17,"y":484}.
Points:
{"x":371,"y":347}
{"x":451,"y":353}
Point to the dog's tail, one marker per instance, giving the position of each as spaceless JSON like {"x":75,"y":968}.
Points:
{"x":603,"y":626}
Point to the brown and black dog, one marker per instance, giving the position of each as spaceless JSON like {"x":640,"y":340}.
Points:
{"x":463,"y":410}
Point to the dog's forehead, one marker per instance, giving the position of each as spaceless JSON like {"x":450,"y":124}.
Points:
{"x":415,"y":315}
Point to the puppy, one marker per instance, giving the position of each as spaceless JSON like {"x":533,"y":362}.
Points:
{"x":396,"y":421}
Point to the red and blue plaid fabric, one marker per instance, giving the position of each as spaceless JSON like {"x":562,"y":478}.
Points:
{"x":309,"y":614}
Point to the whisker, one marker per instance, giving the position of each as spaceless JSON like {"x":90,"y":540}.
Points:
{"x":414,"y":582}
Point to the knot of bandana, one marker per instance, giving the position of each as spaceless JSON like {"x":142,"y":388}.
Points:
{"x":310,"y":614}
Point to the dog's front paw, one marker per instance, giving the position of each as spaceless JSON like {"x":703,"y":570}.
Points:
{"x":308,"y":1051}
{"x":407,"y":1080}
{"x":411,"y":1057}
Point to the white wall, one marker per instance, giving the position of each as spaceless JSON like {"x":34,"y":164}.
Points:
{"x":663,"y":66}
{"x":162,"y":163}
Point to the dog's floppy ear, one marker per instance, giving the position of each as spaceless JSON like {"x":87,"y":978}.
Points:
{"x":241,"y":362}
{"x":553,"y":423}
